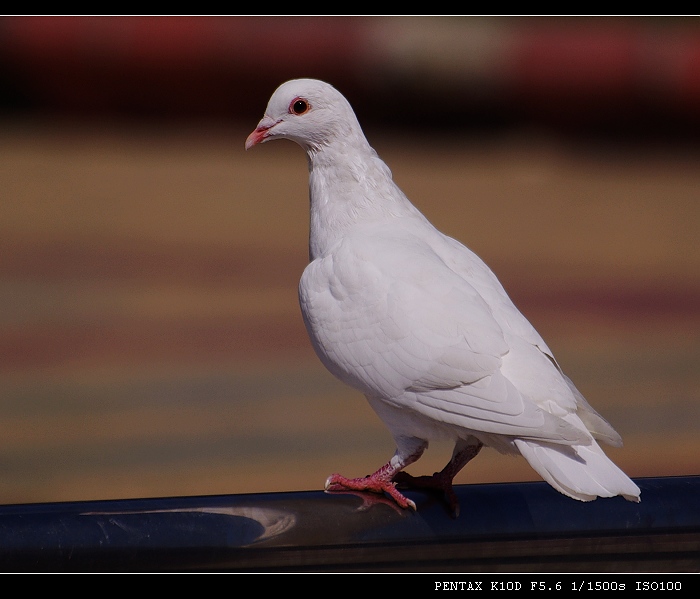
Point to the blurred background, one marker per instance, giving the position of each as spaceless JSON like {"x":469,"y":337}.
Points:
{"x":150,"y":339}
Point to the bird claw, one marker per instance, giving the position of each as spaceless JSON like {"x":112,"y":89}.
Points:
{"x":336,"y":483}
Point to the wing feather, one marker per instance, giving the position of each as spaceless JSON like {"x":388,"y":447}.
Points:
{"x":389,"y":317}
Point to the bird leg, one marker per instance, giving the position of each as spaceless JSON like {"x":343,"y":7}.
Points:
{"x":442,"y":481}
{"x":382,"y":480}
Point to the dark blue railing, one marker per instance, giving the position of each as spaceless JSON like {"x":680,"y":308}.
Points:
{"x":502,"y":528}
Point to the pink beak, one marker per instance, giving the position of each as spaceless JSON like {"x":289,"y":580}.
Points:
{"x":261,"y":132}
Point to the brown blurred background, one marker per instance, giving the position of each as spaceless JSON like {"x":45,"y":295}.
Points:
{"x":150,"y":339}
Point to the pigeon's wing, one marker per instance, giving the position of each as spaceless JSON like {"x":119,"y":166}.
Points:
{"x":530,"y":364}
{"x":387,"y":316}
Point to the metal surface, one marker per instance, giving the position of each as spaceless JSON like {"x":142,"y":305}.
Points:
{"x":502,"y":528}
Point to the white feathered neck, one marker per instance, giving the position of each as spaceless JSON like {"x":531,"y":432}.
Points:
{"x":349,"y":186}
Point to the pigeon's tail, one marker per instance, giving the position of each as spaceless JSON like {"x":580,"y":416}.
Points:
{"x":581,"y":472}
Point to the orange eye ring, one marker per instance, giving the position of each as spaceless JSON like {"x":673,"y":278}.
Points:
{"x":299,"y":106}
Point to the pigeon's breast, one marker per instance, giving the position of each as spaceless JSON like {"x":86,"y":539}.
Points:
{"x":386,"y":316}
{"x":343,"y":300}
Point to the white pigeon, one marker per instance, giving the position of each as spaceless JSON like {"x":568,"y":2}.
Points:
{"x":420,"y":325}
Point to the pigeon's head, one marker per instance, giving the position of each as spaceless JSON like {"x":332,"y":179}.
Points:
{"x":309,"y":112}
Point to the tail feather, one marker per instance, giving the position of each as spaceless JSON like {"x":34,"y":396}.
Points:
{"x":598,"y":426}
{"x":580,"y":472}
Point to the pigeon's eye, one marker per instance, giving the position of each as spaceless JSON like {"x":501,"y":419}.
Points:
{"x":299,"y":106}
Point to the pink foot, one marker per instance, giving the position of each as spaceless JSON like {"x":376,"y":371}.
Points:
{"x":374,"y":483}
{"x":442,"y":481}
